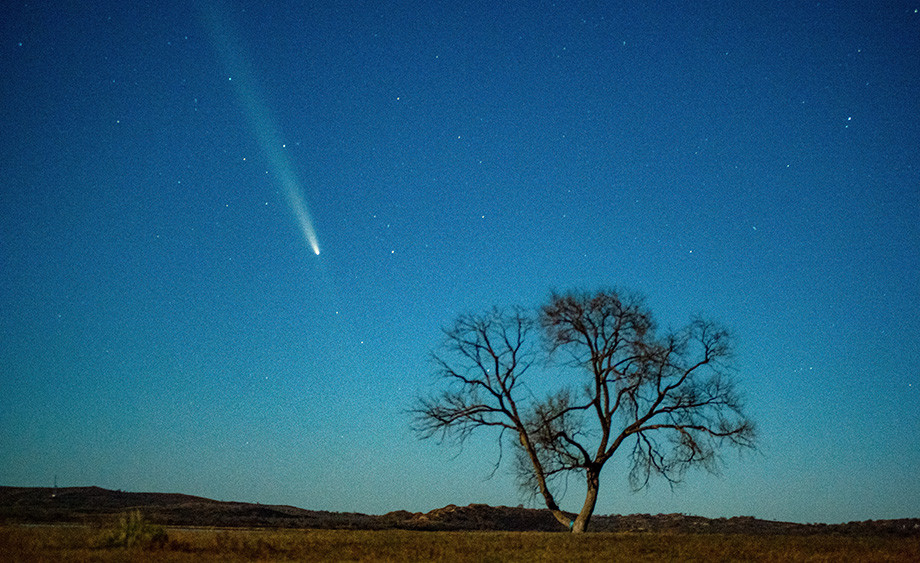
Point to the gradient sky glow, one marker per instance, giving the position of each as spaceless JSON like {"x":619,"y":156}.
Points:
{"x":167,"y":323}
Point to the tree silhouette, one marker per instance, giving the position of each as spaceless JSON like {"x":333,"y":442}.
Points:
{"x":668,"y":400}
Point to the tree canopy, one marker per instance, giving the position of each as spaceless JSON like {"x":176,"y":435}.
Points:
{"x":668,"y":400}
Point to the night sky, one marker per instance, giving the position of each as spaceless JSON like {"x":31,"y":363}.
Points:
{"x":170,"y":172}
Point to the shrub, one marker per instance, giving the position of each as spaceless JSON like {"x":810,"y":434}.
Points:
{"x":132,"y":530}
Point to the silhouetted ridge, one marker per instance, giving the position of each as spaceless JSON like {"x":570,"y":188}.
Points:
{"x":94,"y":504}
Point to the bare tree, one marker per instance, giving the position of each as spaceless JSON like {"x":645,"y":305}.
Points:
{"x":669,"y":400}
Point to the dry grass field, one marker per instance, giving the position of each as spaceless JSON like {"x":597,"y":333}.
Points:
{"x":136,"y":541}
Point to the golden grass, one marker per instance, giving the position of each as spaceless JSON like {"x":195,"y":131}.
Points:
{"x":53,"y":543}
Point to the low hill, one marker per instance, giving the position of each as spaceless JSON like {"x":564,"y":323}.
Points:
{"x":94,"y":504}
{"x":90,"y":505}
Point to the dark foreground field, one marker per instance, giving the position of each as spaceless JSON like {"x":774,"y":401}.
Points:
{"x":89,"y":543}
{"x":94,"y":524}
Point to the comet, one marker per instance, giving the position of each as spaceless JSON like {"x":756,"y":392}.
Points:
{"x":261,"y":122}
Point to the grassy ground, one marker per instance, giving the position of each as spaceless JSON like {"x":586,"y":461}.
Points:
{"x":156,"y":544}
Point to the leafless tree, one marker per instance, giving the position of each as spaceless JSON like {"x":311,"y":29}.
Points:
{"x":669,"y":400}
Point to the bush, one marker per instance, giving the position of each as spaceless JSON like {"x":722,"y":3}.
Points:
{"x":132,"y":530}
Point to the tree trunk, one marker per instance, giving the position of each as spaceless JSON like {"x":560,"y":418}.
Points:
{"x":584,"y":517}
{"x":541,"y":480}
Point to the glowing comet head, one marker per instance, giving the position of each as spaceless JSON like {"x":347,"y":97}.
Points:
{"x":299,"y":207}
{"x":281,"y":168}
{"x":284,"y":173}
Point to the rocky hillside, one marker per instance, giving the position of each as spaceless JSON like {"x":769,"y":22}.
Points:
{"x":484,"y":517}
{"x":93,"y":504}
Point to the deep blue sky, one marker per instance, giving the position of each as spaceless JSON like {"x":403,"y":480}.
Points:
{"x":165,"y":325}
